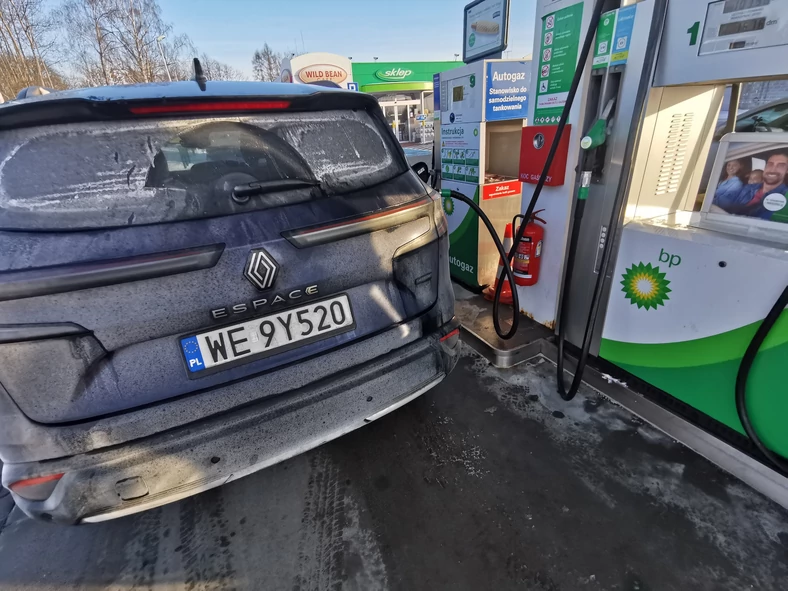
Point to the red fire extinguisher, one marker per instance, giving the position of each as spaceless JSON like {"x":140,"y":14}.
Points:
{"x":528,"y":257}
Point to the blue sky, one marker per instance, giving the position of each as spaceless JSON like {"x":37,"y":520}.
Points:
{"x":406,"y":30}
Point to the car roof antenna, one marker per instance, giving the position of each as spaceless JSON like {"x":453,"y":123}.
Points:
{"x":199,"y":75}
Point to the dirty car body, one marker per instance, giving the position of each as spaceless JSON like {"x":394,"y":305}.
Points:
{"x":197,"y":284}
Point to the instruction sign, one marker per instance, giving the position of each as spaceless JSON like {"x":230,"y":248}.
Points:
{"x":559,"y":43}
{"x":506,"y":96}
{"x":460,"y":152}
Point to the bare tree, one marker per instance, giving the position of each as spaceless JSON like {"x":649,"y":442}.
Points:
{"x":216,"y":70}
{"x":26,"y":43}
{"x":117,"y":42}
{"x":136,"y":26}
{"x":91,"y":46}
{"x":266,"y":64}
{"x":97,"y":42}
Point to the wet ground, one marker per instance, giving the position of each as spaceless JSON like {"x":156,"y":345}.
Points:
{"x":487,"y":482}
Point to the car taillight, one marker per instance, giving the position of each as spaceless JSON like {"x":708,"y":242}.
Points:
{"x":441,"y":223}
{"x":36,"y":489}
{"x":347,"y":228}
{"x":209,"y":107}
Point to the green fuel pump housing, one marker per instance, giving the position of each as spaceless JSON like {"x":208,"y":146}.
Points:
{"x":694,"y":277}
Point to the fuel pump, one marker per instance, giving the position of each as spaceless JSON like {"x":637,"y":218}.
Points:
{"x":672,"y":283}
{"x":673,"y":276}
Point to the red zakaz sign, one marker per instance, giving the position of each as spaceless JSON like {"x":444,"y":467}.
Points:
{"x":505,"y":189}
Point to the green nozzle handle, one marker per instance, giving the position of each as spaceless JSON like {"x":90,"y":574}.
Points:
{"x":596,"y":135}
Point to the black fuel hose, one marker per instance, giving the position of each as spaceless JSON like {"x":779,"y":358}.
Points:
{"x":614,"y":225}
{"x":750,"y":354}
{"x":588,"y":42}
{"x":507,"y":268}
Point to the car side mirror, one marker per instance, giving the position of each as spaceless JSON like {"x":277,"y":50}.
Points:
{"x":422,"y":170}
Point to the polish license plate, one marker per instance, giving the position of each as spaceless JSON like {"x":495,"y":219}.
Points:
{"x":261,"y":337}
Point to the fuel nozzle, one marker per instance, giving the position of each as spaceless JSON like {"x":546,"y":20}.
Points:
{"x":597,"y":135}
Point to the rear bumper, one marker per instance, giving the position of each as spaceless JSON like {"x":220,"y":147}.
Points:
{"x":181,"y":462}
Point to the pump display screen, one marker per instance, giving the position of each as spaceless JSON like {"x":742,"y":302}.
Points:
{"x":736,"y":5}
{"x":457,"y":94}
{"x":754,"y":24}
{"x":734,"y":25}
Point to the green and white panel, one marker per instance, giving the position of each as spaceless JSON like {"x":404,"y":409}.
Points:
{"x":683,"y":307}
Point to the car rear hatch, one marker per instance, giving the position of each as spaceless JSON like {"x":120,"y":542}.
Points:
{"x":142,"y":243}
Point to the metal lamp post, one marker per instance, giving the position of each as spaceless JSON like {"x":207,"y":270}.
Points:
{"x":161,"y":51}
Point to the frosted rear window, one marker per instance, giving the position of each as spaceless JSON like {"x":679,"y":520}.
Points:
{"x":128,"y":173}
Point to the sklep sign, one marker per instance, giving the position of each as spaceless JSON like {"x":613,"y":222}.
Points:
{"x":393,"y":74}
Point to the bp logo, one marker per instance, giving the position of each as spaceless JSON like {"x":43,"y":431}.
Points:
{"x":645,"y":286}
{"x":472,"y":40}
{"x":448,"y":205}
{"x":475,"y":131}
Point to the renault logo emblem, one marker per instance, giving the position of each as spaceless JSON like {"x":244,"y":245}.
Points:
{"x":261,"y":269}
{"x":538,"y":141}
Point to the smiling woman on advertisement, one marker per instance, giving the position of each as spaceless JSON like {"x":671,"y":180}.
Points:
{"x":763,"y":197}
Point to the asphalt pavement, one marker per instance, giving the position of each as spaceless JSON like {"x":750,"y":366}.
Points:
{"x":487,"y":482}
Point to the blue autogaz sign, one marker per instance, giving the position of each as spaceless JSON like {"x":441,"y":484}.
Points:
{"x":506,"y":94}
{"x":436,"y":93}
{"x":352,"y":85}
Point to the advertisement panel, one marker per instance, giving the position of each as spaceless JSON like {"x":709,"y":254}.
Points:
{"x":506,"y":94}
{"x":751,"y":180}
{"x":486,"y":29}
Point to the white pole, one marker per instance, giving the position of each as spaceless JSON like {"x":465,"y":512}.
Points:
{"x":161,"y":51}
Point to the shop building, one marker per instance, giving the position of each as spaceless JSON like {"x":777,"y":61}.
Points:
{"x":405,"y":92}
{"x":404,"y":89}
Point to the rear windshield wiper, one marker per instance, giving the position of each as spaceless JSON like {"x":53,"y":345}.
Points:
{"x":242,"y":193}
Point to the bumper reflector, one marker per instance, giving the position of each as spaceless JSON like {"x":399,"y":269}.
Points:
{"x":36,"y":489}
{"x":454,"y":333}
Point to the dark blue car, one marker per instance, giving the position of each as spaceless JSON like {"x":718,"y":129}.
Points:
{"x":197,"y":284}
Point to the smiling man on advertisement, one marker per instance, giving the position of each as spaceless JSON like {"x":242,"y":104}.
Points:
{"x":750,"y":200}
